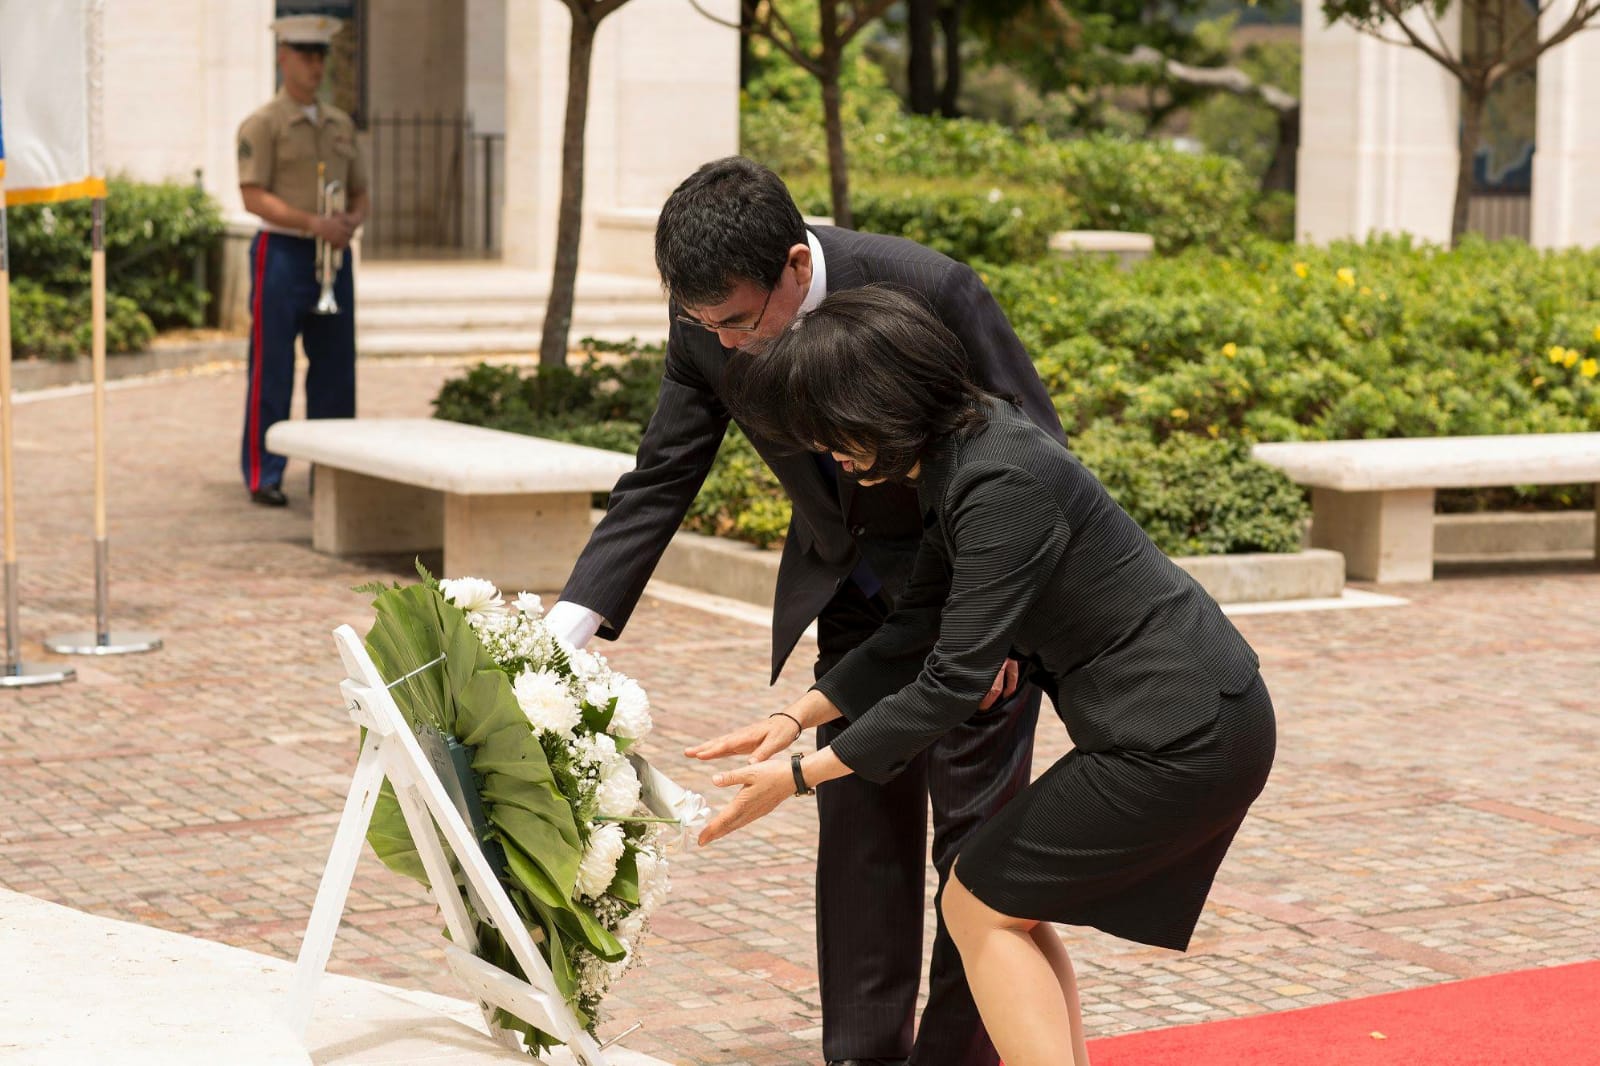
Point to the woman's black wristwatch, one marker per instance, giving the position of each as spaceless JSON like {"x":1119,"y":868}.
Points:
{"x":800,"y":788}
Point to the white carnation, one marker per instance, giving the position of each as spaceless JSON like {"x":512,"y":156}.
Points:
{"x":598,"y":868}
{"x":631,"y":719}
{"x":479,"y":598}
{"x":545,"y":698}
{"x":528,"y":603}
{"x":618,"y":795}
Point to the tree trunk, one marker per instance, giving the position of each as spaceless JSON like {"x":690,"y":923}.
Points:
{"x":558,"y":313}
{"x":747,"y":12}
{"x":919,"y":56}
{"x":1280,"y":175}
{"x":1474,"y":99}
{"x":838,"y":176}
{"x":950,"y":22}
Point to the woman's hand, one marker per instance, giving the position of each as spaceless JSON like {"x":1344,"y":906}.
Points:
{"x":760,"y":740}
{"x":761,"y":788}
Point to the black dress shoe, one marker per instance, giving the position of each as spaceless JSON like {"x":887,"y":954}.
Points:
{"x":867,"y":1062}
{"x":270,"y":496}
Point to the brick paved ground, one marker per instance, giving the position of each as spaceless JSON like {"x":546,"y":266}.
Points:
{"x":1434,"y":814}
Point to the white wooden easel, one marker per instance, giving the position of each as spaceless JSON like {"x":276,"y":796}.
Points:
{"x":391,"y":751}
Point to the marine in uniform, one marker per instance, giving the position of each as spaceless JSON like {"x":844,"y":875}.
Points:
{"x":281,"y":148}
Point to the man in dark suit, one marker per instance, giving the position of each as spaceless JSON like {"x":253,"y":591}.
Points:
{"x":739,"y":264}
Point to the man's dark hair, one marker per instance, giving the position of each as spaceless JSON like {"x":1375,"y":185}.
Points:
{"x":732,"y":219}
{"x":869,"y":369}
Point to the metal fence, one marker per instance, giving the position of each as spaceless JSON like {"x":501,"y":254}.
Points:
{"x":1497,"y":215}
{"x":437,"y":186}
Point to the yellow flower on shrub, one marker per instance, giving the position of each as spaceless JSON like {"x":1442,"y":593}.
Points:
{"x":1214,"y":430}
{"x":1230,"y":349}
{"x":1557,"y":354}
{"x":1366,"y":290}
{"x":1570,"y":359}
{"x":1538,"y":381}
{"x":1301,"y":270}
{"x":1589,"y":368}
{"x":1347,"y":277}
{"x":1597,"y":333}
{"x":1180,"y":415}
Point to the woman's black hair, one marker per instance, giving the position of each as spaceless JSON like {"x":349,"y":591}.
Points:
{"x":870,"y":369}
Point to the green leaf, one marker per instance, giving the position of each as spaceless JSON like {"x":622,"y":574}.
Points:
{"x":541,"y":842}
{"x":625,"y":886}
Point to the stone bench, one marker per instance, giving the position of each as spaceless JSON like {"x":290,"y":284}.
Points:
{"x":1373,"y":499}
{"x":503,"y":506}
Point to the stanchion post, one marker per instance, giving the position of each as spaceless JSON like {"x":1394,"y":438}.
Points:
{"x":102,"y":641}
{"x":15,"y":674}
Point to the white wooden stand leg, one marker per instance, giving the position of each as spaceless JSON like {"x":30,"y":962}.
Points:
{"x":336,"y":878}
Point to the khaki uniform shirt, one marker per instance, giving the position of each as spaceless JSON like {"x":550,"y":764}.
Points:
{"x":279,"y":148}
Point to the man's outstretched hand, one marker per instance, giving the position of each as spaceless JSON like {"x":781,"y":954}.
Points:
{"x":760,"y":740}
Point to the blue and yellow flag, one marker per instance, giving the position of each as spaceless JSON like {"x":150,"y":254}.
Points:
{"x":50,"y":76}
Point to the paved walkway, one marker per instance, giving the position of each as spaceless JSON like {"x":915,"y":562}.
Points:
{"x":1434,"y":814}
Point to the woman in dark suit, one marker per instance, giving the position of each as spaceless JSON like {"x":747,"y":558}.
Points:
{"x":1023,"y":555}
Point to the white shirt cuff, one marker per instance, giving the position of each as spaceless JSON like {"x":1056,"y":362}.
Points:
{"x":573,"y":622}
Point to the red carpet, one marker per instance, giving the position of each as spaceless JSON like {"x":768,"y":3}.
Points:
{"x":1547,"y":1017}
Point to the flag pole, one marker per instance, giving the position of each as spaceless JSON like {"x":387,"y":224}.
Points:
{"x":101,"y":641}
{"x":15,"y":674}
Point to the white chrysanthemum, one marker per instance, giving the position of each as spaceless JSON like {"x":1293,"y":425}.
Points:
{"x":586,"y":665}
{"x":544,"y":697}
{"x":618,"y":794}
{"x":631,"y":719}
{"x":598,"y":868}
{"x":596,"y":751}
{"x":479,"y":598}
{"x":654,"y":884}
{"x":528,"y":603}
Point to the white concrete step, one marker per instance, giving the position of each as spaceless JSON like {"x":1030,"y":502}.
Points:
{"x":487,"y":341}
{"x":426,"y":316}
{"x":78,"y":989}
{"x":442,"y":283}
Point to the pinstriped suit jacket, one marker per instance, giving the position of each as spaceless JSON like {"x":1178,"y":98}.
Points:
{"x":1027,"y":555}
{"x":686,"y":430}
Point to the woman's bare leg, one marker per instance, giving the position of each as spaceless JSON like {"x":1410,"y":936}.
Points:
{"x":1044,"y":934}
{"x":1017,"y":989}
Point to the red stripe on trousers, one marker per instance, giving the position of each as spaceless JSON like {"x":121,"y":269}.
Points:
{"x":255,"y":371}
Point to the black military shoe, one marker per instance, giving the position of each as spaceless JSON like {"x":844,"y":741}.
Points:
{"x":269,"y":496}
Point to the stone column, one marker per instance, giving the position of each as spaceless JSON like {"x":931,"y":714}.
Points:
{"x":1377,"y":135}
{"x":1566,"y":211}
{"x":663,"y":98}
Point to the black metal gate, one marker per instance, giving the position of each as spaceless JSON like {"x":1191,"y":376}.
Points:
{"x":436,"y":185}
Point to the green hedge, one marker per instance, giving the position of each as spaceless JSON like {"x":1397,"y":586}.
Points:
{"x":47,"y":325}
{"x":1181,"y":199}
{"x":1384,"y":339}
{"x":153,"y":236}
{"x":998,"y":224}
{"x":605,"y":403}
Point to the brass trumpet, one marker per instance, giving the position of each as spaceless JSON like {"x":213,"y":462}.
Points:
{"x":330,"y":201}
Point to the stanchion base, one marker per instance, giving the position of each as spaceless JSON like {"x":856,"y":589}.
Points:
{"x":123,"y":643}
{"x":20,"y":675}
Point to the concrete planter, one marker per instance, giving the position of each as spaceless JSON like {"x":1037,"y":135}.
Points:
{"x":33,"y":374}
{"x":744,"y":572}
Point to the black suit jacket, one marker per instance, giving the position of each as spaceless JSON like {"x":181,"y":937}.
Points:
{"x":833,"y":526}
{"x":1026,"y":555}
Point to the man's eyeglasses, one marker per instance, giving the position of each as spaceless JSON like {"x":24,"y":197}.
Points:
{"x":689,"y":320}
